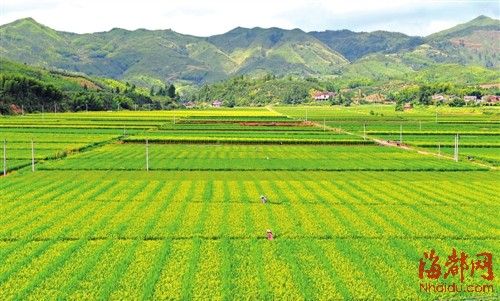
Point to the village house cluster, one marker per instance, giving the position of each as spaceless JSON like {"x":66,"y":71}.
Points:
{"x":319,"y":96}
{"x":490,"y":100}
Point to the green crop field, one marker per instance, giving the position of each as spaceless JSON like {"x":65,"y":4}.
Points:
{"x":166,"y":205}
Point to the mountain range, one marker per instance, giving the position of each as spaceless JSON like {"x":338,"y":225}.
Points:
{"x":153,"y":57}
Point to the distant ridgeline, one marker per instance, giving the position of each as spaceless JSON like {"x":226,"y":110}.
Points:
{"x":122,"y":69}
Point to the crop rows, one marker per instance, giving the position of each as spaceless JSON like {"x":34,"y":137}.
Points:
{"x":302,"y":135}
{"x":202,"y":238}
{"x":465,"y":140}
{"x":350,"y":221}
{"x":246,"y":157}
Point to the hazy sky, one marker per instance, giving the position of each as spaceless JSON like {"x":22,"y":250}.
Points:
{"x":208,"y":17}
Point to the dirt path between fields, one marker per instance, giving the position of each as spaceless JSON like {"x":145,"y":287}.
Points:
{"x":399,"y":145}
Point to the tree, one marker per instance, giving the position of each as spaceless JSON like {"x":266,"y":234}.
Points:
{"x":171,"y":91}
{"x":231,"y":103}
{"x":347,"y":100}
{"x":161,"y":92}
{"x":457,"y":102}
{"x":424,"y":95}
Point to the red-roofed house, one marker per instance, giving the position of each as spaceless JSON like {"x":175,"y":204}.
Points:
{"x":323,"y":95}
{"x":217,"y":103}
{"x":490,"y":99}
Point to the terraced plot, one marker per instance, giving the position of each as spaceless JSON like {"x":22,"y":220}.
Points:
{"x":253,"y":157}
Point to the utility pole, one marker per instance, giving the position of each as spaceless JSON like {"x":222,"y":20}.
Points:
{"x":439,"y":149}
{"x":436,"y":115}
{"x":420,"y":125}
{"x":147,"y":155}
{"x":324,"y":124}
{"x":32,"y":156}
{"x":22,"y":110}
{"x":306,"y":114}
{"x":86,"y":107}
{"x":55,"y":108}
{"x":42,"y":113}
{"x":4,"y":157}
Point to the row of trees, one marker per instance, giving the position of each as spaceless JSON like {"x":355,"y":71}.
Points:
{"x":27,"y":93}
{"x":34,"y":95}
{"x":169,"y":91}
{"x":31,"y":95}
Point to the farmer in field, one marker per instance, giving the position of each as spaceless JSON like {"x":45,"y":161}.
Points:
{"x":263,"y":198}
{"x":270,"y":235}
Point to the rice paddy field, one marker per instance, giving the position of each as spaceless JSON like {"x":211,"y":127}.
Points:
{"x":167,"y":205}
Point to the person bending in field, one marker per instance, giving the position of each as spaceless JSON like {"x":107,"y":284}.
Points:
{"x":263,"y":199}
{"x":270,"y":235}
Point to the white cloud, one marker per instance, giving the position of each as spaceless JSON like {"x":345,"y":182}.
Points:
{"x":202,"y":17}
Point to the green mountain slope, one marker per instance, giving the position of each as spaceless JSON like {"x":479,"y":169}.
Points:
{"x":480,"y":23}
{"x":474,"y":42}
{"x":144,"y":55}
{"x":118,"y":53}
{"x":278,"y":50}
{"x":153,"y":57}
{"x":354,"y":45}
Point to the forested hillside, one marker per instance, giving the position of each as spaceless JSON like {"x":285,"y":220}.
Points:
{"x":153,"y":57}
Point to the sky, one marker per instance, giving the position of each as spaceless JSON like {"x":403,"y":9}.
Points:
{"x":210,"y":17}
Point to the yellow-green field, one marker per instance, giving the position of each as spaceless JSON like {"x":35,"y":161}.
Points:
{"x":108,"y":216}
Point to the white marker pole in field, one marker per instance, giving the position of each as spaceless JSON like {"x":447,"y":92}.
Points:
{"x":147,"y":155}
{"x":306,"y":114}
{"x":439,"y":149}
{"x":4,"y":157}
{"x":420,"y":125}
{"x":436,"y":115}
{"x":455,"y":150}
{"x":455,"y":157}
{"x":32,"y":156}
{"x":364,"y":131}
{"x":401,"y":134}
{"x":324,"y":124}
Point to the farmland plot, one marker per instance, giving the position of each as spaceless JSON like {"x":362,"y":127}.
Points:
{"x":103,"y":235}
{"x":253,"y":157}
{"x":351,"y":219}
